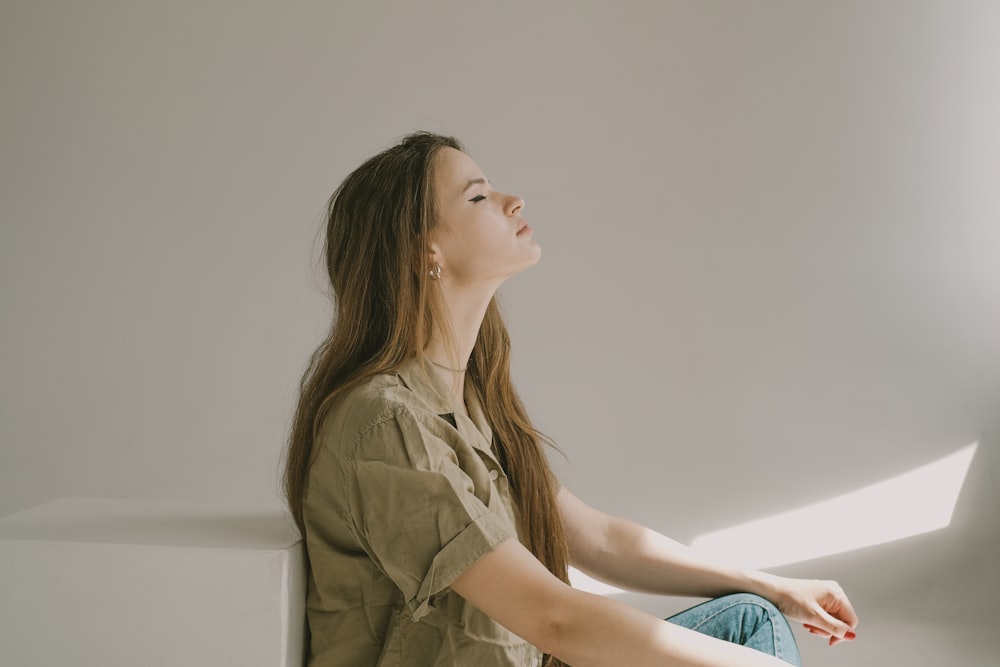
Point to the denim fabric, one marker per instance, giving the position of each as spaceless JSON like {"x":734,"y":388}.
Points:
{"x":744,"y":619}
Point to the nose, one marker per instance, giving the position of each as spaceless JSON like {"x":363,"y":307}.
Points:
{"x":514,"y":204}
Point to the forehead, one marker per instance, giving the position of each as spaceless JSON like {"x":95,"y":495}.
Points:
{"x":453,"y":170}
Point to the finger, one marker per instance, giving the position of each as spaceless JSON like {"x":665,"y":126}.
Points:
{"x":814,"y":630}
{"x":832,"y":625}
{"x":833,"y":640}
{"x":847,"y":637}
{"x":845,"y":612}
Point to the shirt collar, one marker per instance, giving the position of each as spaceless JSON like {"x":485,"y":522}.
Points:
{"x":421,"y":379}
{"x":476,"y":413}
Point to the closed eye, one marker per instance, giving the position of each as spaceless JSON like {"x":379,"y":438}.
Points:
{"x":478,"y":198}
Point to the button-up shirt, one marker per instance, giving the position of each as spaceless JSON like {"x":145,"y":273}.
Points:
{"x":403,"y":495}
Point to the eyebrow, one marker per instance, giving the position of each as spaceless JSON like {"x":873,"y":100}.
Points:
{"x":473,"y":182}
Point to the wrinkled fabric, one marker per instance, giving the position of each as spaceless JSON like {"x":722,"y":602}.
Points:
{"x":745,"y":619}
{"x":402,"y":496}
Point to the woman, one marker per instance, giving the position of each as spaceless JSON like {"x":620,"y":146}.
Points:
{"x":435,"y":530}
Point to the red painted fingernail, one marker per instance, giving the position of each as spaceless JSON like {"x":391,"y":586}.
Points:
{"x":850,"y":635}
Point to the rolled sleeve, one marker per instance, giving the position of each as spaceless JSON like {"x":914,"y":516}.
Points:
{"x":415,"y":511}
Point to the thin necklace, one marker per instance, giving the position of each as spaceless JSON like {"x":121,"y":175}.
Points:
{"x":453,"y":370}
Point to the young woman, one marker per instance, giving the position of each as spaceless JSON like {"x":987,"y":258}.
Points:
{"x":435,"y":530}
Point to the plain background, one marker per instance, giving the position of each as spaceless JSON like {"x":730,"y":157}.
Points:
{"x":770,"y":274}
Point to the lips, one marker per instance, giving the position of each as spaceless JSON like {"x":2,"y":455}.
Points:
{"x":523,"y":227}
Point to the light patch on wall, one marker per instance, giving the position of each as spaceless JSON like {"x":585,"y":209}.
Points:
{"x":583,"y":582}
{"x":913,"y":503}
{"x":919,"y":501}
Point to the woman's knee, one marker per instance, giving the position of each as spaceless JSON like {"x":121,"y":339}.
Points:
{"x":734,"y":617}
{"x":746,"y":619}
{"x":756,"y":610}
{"x":753,"y":603}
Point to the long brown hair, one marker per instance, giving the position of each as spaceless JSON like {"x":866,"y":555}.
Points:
{"x":386,"y":307}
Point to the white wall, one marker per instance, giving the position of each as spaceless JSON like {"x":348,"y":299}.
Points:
{"x":771,"y":264}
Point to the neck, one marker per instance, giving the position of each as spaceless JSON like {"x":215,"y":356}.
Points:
{"x":465,"y":309}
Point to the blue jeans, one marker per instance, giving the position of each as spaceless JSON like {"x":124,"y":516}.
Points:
{"x":744,"y":619}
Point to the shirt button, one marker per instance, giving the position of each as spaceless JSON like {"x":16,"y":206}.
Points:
{"x":494,"y":474}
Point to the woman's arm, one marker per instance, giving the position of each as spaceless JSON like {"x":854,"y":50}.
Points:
{"x":629,"y":555}
{"x":512,"y":587}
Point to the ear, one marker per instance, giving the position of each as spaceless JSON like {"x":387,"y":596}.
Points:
{"x":434,"y":254}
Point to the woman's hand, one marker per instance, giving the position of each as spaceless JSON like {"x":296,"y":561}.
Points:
{"x":821,"y":606}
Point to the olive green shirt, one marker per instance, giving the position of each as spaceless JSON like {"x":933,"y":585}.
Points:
{"x":404,"y":494}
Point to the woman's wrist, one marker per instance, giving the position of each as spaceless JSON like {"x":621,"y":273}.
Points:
{"x":764,"y":584}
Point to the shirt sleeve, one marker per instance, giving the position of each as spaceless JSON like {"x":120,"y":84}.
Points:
{"x":414,"y":510}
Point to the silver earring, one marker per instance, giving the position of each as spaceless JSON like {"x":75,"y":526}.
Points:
{"x":436,"y":271}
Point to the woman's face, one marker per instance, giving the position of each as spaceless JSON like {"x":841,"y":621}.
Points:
{"x":480,"y":236}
